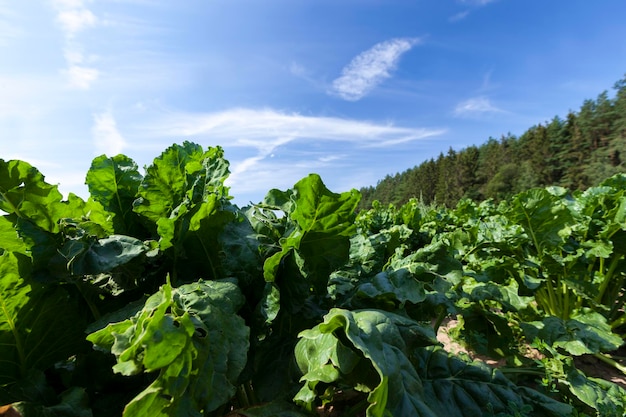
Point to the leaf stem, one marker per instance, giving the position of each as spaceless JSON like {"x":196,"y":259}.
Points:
{"x":11,"y":205}
{"x":609,"y":360}
{"x":607,"y":277}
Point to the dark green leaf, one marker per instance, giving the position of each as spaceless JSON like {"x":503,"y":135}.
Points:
{"x":38,"y":325}
{"x":585,"y":333}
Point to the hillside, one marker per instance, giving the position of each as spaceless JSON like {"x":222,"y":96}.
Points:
{"x":576,"y":152}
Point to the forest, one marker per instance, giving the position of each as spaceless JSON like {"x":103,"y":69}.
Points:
{"x":575,"y":152}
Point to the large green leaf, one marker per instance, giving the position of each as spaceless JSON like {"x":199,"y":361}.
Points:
{"x":114,"y":182}
{"x":388,"y":357}
{"x":607,"y":398}
{"x":183,"y":173}
{"x":24,"y":192}
{"x":369,"y":348}
{"x":544,"y":217}
{"x":456,"y":388}
{"x":10,"y":239}
{"x":38,"y":325}
{"x":324,"y":222}
{"x":192,"y":337}
{"x":184,"y":199}
{"x":102,"y":255}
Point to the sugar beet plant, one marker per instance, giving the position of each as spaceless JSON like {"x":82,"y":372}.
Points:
{"x":157,"y":296}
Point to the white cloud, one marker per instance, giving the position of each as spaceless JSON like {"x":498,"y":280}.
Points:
{"x":297,"y":70}
{"x":370,"y":68}
{"x":8,"y":29}
{"x":75,"y":20}
{"x":74,"y":17}
{"x":81,"y":77}
{"x":262,"y":128}
{"x":264,"y":133}
{"x":476,"y":106}
{"x":106,"y":137}
{"x":477,"y":2}
{"x":459,"y":16}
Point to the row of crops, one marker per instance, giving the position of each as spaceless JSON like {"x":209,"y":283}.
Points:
{"x":159,"y":297}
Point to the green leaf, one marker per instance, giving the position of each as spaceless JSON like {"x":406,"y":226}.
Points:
{"x":182,"y":173}
{"x":38,"y":325}
{"x":114,"y":182}
{"x":397,"y":286}
{"x":74,"y":403}
{"x":607,"y":398}
{"x":10,"y":240}
{"x":24,"y":192}
{"x":184,"y":199}
{"x":544,"y":217}
{"x":192,"y":337}
{"x":456,"y":388}
{"x":103,"y":255}
{"x":507,"y":294}
{"x":585,"y":333}
{"x":241,"y":252}
{"x":390,"y":358}
{"x":324,"y":223}
{"x":370,"y":339}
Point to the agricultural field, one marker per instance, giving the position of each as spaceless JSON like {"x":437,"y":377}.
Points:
{"x":159,"y":297}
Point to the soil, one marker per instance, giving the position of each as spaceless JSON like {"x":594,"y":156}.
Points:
{"x":588,"y":364}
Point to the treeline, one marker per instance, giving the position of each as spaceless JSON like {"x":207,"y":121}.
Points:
{"x":576,"y":152}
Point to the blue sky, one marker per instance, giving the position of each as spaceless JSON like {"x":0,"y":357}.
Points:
{"x":350,"y":89}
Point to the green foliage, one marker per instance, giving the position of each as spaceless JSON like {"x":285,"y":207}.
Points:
{"x":158,"y":296}
{"x":577,"y":153}
{"x":192,"y":337}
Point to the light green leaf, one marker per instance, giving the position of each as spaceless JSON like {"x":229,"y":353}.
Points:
{"x":24,"y":192}
{"x":192,"y":337}
{"x":182,"y":174}
{"x":607,"y":398}
{"x":114,"y":182}
{"x":324,"y":223}
{"x":544,"y":216}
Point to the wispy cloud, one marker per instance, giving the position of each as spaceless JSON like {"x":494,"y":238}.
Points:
{"x":73,"y":21}
{"x":246,"y":127}
{"x":8,"y":28}
{"x":476,"y":106}
{"x":79,"y":74}
{"x":266,"y":131}
{"x":73,"y":17}
{"x":106,"y":137}
{"x":469,"y":3}
{"x":477,"y":2}
{"x":370,"y":68}
{"x":459,"y":16}
{"x":81,"y":77}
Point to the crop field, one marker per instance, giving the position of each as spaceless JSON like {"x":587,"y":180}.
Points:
{"x":157,"y":296}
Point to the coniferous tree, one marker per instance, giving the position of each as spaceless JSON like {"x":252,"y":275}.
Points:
{"x":576,"y":152}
